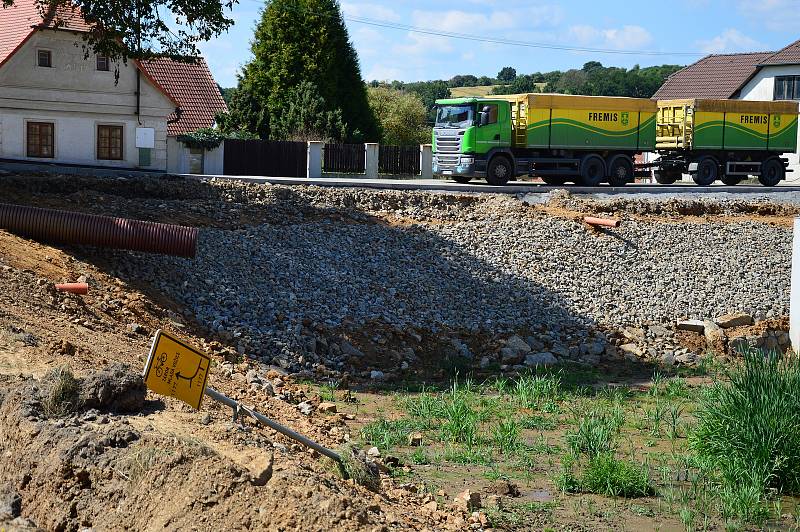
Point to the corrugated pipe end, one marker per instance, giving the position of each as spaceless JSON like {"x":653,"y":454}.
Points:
{"x":64,"y":227}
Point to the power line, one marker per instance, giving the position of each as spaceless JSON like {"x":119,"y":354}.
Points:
{"x":489,"y":40}
{"x":510,"y":42}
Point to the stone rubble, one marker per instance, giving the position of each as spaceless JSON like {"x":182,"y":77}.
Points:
{"x":329,"y":263}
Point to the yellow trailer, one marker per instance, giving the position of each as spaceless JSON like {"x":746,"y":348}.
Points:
{"x":562,"y":121}
{"x":727,"y":125}
{"x":728,"y":140}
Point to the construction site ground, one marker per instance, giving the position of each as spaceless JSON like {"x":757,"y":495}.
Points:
{"x":166,"y":466}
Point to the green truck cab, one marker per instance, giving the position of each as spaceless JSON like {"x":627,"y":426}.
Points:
{"x":466,"y":130}
{"x":560,"y":138}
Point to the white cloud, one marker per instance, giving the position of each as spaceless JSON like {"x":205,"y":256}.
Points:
{"x":625,"y":38}
{"x":730,"y":40}
{"x":373,"y":11}
{"x":776,"y":15}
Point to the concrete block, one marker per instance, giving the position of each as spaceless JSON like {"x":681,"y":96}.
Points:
{"x":314,"y":169}
{"x":371,"y":154}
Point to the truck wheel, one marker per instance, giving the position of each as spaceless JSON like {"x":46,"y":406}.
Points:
{"x":554,"y":181}
{"x":620,"y":171}
{"x":499,"y":171}
{"x":731,"y":180}
{"x":463,"y":179}
{"x":707,"y":171}
{"x":664,"y":177}
{"x":593,"y":170}
{"x":772,"y":172}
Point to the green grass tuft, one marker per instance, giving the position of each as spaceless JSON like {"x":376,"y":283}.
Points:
{"x":595,"y":432}
{"x":748,"y":430}
{"x":506,"y":436}
{"x":749,"y":427}
{"x":61,"y":392}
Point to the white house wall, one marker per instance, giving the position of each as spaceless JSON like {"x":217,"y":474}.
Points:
{"x":77,"y":98}
{"x":762,"y":88}
{"x":178,"y":158}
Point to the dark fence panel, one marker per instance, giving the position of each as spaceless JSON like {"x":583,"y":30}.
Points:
{"x":266,"y":158}
{"x":344,"y":159}
{"x":399,"y":160}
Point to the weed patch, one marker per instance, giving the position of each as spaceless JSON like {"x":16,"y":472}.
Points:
{"x":749,"y":430}
{"x":61,"y":392}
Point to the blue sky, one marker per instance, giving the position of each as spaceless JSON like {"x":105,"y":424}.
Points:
{"x":670,"y":27}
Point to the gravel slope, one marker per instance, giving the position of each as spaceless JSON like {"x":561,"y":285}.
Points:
{"x":491,"y":265}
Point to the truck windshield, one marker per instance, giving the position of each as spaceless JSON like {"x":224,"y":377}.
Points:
{"x":455,"y":116}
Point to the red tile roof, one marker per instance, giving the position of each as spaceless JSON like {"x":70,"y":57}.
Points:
{"x":713,"y":77}
{"x":194,"y":89}
{"x":787,"y":56}
{"x":16,"y":26}
{"x":189,"y":85}
{"x":18,"y":22}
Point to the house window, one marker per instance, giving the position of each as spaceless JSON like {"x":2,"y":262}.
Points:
{"x":41,"y":139}
{"x":109,"y":143}
{"x":787,"y":88}
{"x":102,"y":63}
{"x":44,"y":58}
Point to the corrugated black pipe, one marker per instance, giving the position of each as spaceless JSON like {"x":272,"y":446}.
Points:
{"x":63,"y":227}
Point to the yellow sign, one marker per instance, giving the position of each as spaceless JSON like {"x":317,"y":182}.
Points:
{"x":177,"y":369}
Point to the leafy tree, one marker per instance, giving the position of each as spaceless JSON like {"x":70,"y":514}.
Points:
{"x":486,"y":80}
{"x":300,"y":41}
{"x":507,"y":74}
{"x":138,"y":30}
{"x":304,"y":117}
{"x":227,"y":93}
{"x":429,"y":92}
{"x":401,"y":116}
{"x":463,"y":81}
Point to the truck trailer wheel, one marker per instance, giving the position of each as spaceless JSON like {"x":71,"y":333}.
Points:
{"x":772,"y":172}
{"x":731,"y":180}
{"x":707,"y":171}
{"x":620,"y":171}
{"x":499,"y":171}
{"x":666,"y":177}
{"x":593,"y":170}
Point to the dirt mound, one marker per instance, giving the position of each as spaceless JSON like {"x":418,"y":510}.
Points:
{"x":697,"y":209}
{"x":66,"y":474}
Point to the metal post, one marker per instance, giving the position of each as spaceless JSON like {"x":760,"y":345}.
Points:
{"x":794,"y":298}
{"x":426,"y":161}
{"x":314,"y":165}
{"x":239,"y":408}
{"x":371,"y":153}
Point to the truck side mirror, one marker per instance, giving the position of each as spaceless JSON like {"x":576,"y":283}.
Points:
{"x":484,"y":118}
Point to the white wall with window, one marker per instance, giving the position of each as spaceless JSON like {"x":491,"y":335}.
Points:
{"x":777,"y":83}
{"x":58,"y":106}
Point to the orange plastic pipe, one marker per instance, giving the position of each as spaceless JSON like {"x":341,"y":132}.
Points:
{"x":74,"y":288}
{"x":605,"y":222}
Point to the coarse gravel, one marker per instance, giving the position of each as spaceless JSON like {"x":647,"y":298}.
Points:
{"x":439,"y":262}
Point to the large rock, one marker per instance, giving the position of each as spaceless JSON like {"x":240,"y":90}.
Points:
{"x":540,"y":359}
{"x":697,"y":326}
{"x":116,"y":389}
{"x":631,"y":349}
{"x":261,"y":468}
{"x":736,"y":319}
{"x":516,"y":343}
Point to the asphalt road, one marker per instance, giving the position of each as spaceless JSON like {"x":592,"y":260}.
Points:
{"x":520,"y":188}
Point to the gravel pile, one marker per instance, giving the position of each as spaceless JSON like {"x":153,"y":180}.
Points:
{"x":488,"y":264}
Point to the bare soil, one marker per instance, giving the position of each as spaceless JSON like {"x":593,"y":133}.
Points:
{"x":164,"y":466}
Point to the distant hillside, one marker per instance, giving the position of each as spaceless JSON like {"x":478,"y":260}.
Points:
{"x":466,"y":92}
